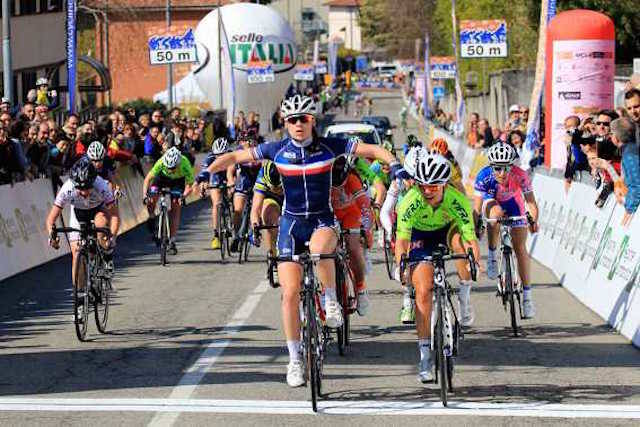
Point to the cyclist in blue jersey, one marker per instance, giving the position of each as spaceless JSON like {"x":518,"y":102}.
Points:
{"x":304,"y":161}
{"x":247,"y":173}
{"x":217,"y":181}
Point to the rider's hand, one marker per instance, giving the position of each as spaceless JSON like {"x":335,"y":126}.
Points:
{"x":54,"y":241}
{"x":533,"y":227}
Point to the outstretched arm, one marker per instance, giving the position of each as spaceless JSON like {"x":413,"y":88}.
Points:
{"x":230,"y":159}
{"x":375,"y":151}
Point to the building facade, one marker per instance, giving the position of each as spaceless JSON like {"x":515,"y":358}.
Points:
{"x":344,"y":22}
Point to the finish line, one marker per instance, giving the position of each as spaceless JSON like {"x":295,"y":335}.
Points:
{"x":327,"y":407}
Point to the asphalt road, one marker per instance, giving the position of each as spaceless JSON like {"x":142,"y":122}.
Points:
{"x":198,"y":343}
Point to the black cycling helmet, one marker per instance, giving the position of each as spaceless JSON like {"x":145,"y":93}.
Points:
{"x":83,"y":174}
{"x":340,"y":171}
{"x":413,"y":141}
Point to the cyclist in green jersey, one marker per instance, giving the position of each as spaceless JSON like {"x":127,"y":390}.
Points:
{"x":266,"y":206}
{"x":174,"y":171}
{"x":434,"y":213}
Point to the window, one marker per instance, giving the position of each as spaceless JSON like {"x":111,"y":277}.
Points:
{"x":28,"y":7}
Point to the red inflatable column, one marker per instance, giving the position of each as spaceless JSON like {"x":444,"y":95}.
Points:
{"x":579,"y":79}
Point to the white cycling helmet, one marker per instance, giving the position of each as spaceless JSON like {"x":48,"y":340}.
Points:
{"x":298,"y":105}
{"x":219,"y":146}
{"x":432,"y":169}
{"x":171,"y":158}
{"x":501,"y":154}
{"x":95,"y":152}
{"x":411,"y":159}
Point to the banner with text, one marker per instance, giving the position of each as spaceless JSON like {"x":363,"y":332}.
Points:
{"x":304,"y":72}
{"x":260,"y":72}
{"x":483,"y":39}
{"x":172,"y":49}
{"x":443,"y":67}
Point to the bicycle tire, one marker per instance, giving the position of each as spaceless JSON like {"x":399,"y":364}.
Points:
{"x":221,"y":230}
{"x":247,"y":247}
{"x":101,"y":304}
{"x":241,"y":243}
{"x":340,"y":296}
{"x":228,"y":228}
{"x":442,"y":359}
{"x":79,"y":300}
{"x":310,"y":346}
{"x":163,"y":238}
{"x":508,"y":280}
{"x":388,"y":255}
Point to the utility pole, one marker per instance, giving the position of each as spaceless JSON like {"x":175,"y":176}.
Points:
{"x":6,"y":50}
{"x":170,"y":69}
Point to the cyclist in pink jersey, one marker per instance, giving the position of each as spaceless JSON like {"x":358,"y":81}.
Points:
{"x":503,"y":190}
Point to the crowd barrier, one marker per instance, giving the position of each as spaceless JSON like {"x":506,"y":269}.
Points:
{"x":592,"y":254}
{"x":24,"y":207}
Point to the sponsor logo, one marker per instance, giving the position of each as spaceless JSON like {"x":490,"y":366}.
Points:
{"x":570,"y":95}
{"x":253,"y":47}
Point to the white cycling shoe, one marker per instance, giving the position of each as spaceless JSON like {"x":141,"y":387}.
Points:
{"x":492,"y":266}
{"x":295,"y":373}
{"x":333,"y":314}
{"x":425,"y":370}
{"x":363,"y":303}
{"x":528,"y":309}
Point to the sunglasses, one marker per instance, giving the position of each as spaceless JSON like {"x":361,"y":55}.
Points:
{"x":430,"y":187}
{"x":607,"y":124}
{"x":501,"y":169}
{"x":302,"y":119}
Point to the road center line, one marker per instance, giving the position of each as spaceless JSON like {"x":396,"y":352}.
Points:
{"x":194,"y":374}
{"x":328,"y":407}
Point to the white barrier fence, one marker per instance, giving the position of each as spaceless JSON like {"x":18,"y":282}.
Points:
{"x":592,"y":254}
{"x":24,"y":208}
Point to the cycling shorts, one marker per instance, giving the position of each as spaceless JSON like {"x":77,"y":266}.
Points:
{"x":268,"y":201}
{"x":244,"y":184}
{"x":164,"y":182}
{"x":78,"y":216}
{"x":295,"y":232}
{"x":218,"y":179}
{"x":511,"y":207}
{"x":349,"y":217}
{"x":423,"y":243}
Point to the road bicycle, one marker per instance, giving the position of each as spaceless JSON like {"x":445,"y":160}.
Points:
{"x":271,"y":260}
{"x":509,"y":286}
{"x":446,"y":331}
{"x":345,"y":291}
{"x":315,"y":335}
{"x":389,"y":247}
{"x":225,"y":226}
{"x":92,"y":272}
{"x":163,"y":233}
{"x":244,"y":231}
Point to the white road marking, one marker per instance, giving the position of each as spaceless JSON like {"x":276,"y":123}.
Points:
{"x":194,"y":374}
{"x":329,"y":407}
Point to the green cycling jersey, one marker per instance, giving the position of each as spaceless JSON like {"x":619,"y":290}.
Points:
{"x":367,"y":174}
{"x":415,"y":213}
{"x":184,"y":170}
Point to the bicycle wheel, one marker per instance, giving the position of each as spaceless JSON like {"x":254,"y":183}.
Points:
{"x":247,"y":247}
{"x":164,"y":240}
{"x":241,"y":243}
{"x":508,"y":281}
{"x":101,"y":302}
{"x":311,"y":346}
{"x":81,"y":285}
{"x":388,"y":255}
{"x":342,"y":297}
{"x":222,"y":230}
{"x":441,"y":366}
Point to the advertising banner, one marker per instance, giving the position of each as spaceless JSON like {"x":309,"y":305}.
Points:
{"x":443,"y":67}
{"x":483,"y":39}
{"x":419,"y":87}
{"x":304,"y":72}
{"x":71,"y":54}
{"x":173,"y":49}
{"x":260,"y":72}
{"x":583,"y":75}
{"x":321,"y":67}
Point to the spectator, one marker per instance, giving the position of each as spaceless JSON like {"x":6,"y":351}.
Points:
{"x":44,"y":96}
{"x":42,"y":113}
{"x":174,"y":137}
{"x":524,"y":118}
{"x":485,"y":134}
{"x":174,"y":115}
{"x":514,"y":118}
{"x":252,"y":123}
{"x":18,"y":135}
{"x":144,"y":122}
{"x":131,"y":115}
{"x":28,"y":112}
{"x":157,"y":120}
{"x":153,"y":144}
{"x":32,"y":96}
{"x":576,"y":159}
{"x":129,"y":140}
{"x":516,"y":140}
{"x":623,"y":136}
{"x":5,"y":119}
{"x":5,"y":105}
{"x":54,"y":132}
{"x":632,"y":104}
{"x":39,"y":152}
{"x":11,"y":166}
{"x":605,"y":149}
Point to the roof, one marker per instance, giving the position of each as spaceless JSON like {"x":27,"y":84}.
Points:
{"x":344,"y":3}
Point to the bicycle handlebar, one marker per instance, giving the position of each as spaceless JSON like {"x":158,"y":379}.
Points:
{"x":303,"y":258}
{"x":508,"y":220}
{"x":104,"y":230}
{"x":437,"y":255}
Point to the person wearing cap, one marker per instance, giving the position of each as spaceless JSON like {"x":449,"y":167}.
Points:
{"x":514,"y":118}
{"x":44,"y":96}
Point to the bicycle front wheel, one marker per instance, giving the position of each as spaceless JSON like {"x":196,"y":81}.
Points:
{"x":508,"y":281}
{"x":388,"y":254}
{"x":164,"y":237}
{"x":81,"y":285}
{"x":343,"y":299}
{"x":222,"y":230}
{"x":311,"y":345}
{"x":441,"y":358}
{"x":101,"y":303}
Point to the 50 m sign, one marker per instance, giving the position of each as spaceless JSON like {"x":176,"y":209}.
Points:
{"x":483,"y":39}
{"x":173,"y":49}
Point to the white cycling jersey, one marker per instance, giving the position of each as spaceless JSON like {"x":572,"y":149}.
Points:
{"x":100,"y":194}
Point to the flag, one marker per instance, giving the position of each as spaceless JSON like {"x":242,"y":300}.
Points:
{"x":532,"y":141}
{"x":460,"y":109}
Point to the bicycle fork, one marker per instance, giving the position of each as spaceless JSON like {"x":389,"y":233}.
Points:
{"x":440,"y":303}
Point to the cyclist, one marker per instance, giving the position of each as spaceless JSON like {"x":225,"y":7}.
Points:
{"x":173,"y":170}
{"x":440,"y":146}
{"x":433,"y":213}
{"x":503,"y":189}
{"x":304,"y":161}
{"x":91,"y":199}
{"x":246,"y":175}
{"x":268,"y":197}
{"x":397,"y":190}
{"x":350,"y":202}
{"x":218,"y":181}
{"x":104,"y":165}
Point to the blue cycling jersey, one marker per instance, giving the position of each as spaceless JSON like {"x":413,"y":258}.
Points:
{"x":305,"y":169}
{"x":204,"y":174}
